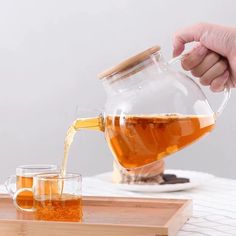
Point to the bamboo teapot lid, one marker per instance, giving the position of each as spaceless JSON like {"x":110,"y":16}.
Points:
{"x":128,"y":63}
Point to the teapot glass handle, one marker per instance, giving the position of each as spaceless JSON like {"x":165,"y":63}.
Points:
{"x":227,"y":90}
{"x":10,"y":180}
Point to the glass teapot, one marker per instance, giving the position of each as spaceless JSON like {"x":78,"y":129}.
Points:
{"x":151,"y":110}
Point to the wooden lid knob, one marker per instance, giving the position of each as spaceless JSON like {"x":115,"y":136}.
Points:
{"x":128,"y":63}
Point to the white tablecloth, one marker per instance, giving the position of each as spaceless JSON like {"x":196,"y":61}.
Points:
{"x":214,"y":204}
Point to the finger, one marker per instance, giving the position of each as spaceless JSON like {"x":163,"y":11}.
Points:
{"x":186,"y":35}
{"x":232,"y":64}
{"x":194,"y":58}
{"x":218,"y":84}
{"x":210,"y":60}
{"x":214,"y":37}
{"x":215,"y":71}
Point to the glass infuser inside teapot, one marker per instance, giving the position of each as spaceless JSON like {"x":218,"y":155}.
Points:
{"x":151,"y":110}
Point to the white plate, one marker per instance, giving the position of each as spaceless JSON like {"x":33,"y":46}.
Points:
{"x":196,"y":179}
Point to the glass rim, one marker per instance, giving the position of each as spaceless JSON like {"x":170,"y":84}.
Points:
{"x":46,"y":176}
{"x":32,"y":168}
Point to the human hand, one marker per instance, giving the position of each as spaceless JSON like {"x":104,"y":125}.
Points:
{"x":213,"y":60}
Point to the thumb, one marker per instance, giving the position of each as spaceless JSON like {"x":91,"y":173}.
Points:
{"x":214,"y":37}
{"x":186,"y":35}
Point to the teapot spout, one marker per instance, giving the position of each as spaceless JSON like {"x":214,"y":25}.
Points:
{"x":91,"y":123}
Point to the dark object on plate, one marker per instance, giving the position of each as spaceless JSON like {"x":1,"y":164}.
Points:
{"x":173,"y":179}
{"x":167,"y":177}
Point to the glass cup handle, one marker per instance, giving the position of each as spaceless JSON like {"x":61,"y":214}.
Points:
{"x":8,"y":183}
{"x":227,"y":90}
{"x":15,"y":199}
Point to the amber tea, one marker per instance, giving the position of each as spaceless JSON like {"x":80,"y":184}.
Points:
{"x":25,"y":199}
{"x":24,"y":179}
{"x":65,"y":207}
{"x":55,"y":198}
{"x":140,"y":140}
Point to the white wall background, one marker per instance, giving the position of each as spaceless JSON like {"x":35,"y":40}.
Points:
{"x":50,"y":53}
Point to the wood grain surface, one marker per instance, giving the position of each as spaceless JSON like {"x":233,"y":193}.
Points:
{"x":105,"y":216}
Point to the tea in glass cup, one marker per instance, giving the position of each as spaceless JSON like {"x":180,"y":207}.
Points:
{"x":56,"y":197}
{"x":24,"y":179}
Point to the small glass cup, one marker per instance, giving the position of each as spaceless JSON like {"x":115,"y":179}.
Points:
{"x":56,"y":198}
{"x":24,"y":179}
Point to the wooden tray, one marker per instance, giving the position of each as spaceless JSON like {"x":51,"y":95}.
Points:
{"x":103,"y":216}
